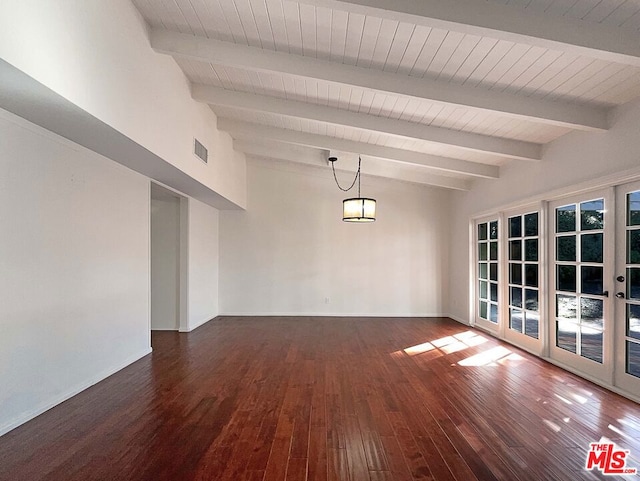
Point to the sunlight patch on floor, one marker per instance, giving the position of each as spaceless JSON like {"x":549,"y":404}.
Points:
{"x":512,"y":358}
{"x":580,"y":399}
{"x":419,"y":348}
{"x":486,"y":358}
{"x":447,"y":344}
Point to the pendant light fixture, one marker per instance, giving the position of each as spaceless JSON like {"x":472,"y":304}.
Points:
{"x":355,"y":209}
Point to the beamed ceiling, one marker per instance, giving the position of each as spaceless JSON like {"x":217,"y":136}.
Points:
{"x":439,"y":92}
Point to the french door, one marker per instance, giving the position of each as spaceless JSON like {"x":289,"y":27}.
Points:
{"x":627,"y":288}
{"x":581,"y":262}
{"x":522,"y":274}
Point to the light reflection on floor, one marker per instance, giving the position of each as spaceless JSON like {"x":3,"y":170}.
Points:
{"x":553,"y":426}
{"x":448,"y":344}
{"x":461,"y":341}
{"x":492,"y":357}
{"x":563,"y":399}
{"x":571,"y":394}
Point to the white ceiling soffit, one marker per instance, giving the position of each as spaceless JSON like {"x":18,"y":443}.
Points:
{"x":445,"y":91}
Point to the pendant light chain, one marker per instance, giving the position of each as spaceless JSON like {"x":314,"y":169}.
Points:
{"x":356,"y":178}
{"x":359,"y":176}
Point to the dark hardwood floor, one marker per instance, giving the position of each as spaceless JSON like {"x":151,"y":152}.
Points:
{"x":326,"y":399}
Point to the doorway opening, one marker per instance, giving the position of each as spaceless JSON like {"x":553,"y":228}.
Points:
{"x":168,"y":259}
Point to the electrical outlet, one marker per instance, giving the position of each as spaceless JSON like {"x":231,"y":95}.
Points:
{"x":327,"y":300}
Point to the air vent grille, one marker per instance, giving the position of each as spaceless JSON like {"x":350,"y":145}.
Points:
{"x":200,"y":150}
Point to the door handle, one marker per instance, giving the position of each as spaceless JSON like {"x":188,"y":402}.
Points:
{"x":620,"y":278}
{"x":620,"y":295}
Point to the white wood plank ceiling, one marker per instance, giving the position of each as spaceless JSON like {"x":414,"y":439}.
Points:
{"x":439,"y":92}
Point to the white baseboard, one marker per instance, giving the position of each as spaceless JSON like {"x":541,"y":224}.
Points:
{"x":196,"y":325}
{"x":458,"y":319}
{"x":331,"y":314}
{"x":70,"y":393}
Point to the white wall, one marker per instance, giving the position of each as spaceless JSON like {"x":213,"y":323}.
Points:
{"x":165,"y":261}
{"x":575,"y":158}
{"x":290,"y":250}
{"x":203,"y":263}
{"x":96,"y":54}
{"x":74,"y":258}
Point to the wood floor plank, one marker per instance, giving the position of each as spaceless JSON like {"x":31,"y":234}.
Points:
{"x":325,"y":399}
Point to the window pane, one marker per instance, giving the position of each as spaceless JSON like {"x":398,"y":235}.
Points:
{"x":493,"y":288}
{"x":591,"y":280}
{"x":566,"y":248}
{"x":591,"y":344}
{"x":482,"y":231}
{"x":515,"y":226}
{"x":531,"y":224}
{"x":592,"y":215}
{"x":482,"y":252}
{"x":633,"y":247}
{"x":566,"y":278}
{"x":633,"y":321}
{"x":633,"y":283}
{"x":493,"y":230}
{"x":515,"y":250}
{"x":483,"y":270}
{"x":515,"y":320}
{"x":493,"y":271}
{"x":531,"y":250}
{"x":566,"y":218}
{"x":633,"y":208}
{"x":483,"y":290}
{"x":591,"y":248}
{"x":515,"y":274}
{"x":531,"y":324}
{"x":493,"y":251}
{"x":566,"y":335}
{"x":566,"y":306}
{"x":516,"y":297}
{"x":531,"y":275}
{"x":591,"y":312}
{"x":531,"y":299}
{"x":483,"y":309}
{"x":633,"y":358}
{"x":493,"y":313}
